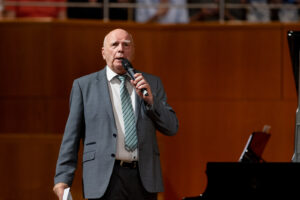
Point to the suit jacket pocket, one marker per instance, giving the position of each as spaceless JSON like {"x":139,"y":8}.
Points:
{"x":88,"y":156}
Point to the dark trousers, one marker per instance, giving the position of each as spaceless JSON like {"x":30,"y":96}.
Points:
{"x":125,"y":184}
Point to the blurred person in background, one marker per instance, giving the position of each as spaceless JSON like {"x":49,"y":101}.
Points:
{"x":1,"y":9}
{"x":162,"y":15}
{"x":258,"y":11}
{"x":289,"y":11}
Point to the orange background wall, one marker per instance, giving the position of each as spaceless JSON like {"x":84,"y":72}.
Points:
{"x":223,"y":80}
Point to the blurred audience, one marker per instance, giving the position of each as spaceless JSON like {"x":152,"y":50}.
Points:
{"x":36,"y":11}
{"x":257,"y":12}
{"x":163,"y":15}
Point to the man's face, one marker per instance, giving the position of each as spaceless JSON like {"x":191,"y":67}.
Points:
{"x":118,"y":44}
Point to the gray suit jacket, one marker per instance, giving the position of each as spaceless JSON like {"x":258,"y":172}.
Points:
{"x":91,"y":119}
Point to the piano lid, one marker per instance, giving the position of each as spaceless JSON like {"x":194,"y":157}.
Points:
{"x":294,"y":46}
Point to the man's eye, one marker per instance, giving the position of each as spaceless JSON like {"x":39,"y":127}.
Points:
{"x":126,"y":45}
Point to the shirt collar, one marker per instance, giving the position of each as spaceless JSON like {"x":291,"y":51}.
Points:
{"x":110,"y":74}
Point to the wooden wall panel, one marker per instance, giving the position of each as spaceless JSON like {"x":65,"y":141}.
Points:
{"x":28,"y":166}
{"x":223,"y":63}
{"x":33,"y":113}
{"x":224,"y":81}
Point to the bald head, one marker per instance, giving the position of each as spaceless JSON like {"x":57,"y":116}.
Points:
{"x":117,"y":44}
{"x":116,"y":31}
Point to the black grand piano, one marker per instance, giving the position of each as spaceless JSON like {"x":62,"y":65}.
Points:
{"x":251,"y":178}
{"x":294,"y":45}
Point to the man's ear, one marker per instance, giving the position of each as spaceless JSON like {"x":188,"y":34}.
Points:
{"x":103,"y":54}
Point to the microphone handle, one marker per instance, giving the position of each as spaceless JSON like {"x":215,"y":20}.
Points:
{"x":131,"y":73}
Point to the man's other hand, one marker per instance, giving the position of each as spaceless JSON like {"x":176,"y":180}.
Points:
{"x":58,"y":189}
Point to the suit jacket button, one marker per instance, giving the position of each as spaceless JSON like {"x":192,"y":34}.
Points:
{"x":115,"y":135}
{"x":113,"y":155}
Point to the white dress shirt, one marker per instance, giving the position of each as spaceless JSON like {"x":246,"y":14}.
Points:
{"x":114,"y":91}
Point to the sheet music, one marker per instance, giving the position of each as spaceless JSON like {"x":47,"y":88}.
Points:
{"x":67,"y":194}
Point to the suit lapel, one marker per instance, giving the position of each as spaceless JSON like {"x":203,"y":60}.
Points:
{"x":102,"y":86}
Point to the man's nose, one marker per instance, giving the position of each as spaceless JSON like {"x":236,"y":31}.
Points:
{"x":121,"y":48}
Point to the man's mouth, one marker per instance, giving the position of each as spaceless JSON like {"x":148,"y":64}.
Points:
{"x":119,"y":58}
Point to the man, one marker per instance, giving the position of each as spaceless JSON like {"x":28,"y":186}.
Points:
{"x":112,"y":169}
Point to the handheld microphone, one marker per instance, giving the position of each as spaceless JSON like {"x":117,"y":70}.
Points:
{"x":131,"y":71}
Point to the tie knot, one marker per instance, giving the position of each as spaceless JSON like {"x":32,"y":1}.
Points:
{"x":122,"y":78}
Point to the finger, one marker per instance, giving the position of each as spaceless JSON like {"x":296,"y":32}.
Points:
{"x":138,"y":76}
{"x":141,"y":83}
{"x":139,"y":80}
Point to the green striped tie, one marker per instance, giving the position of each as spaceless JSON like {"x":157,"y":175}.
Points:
{"x":128,"y":116}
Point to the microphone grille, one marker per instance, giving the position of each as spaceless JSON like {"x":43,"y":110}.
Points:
{"x":125,"y":63}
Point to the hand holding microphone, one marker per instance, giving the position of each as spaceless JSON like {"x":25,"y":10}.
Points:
{"x":131,"y":71}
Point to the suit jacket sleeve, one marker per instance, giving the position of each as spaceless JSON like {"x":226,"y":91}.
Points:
{"x":161,"y":113}
{"x":68,"y":155}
